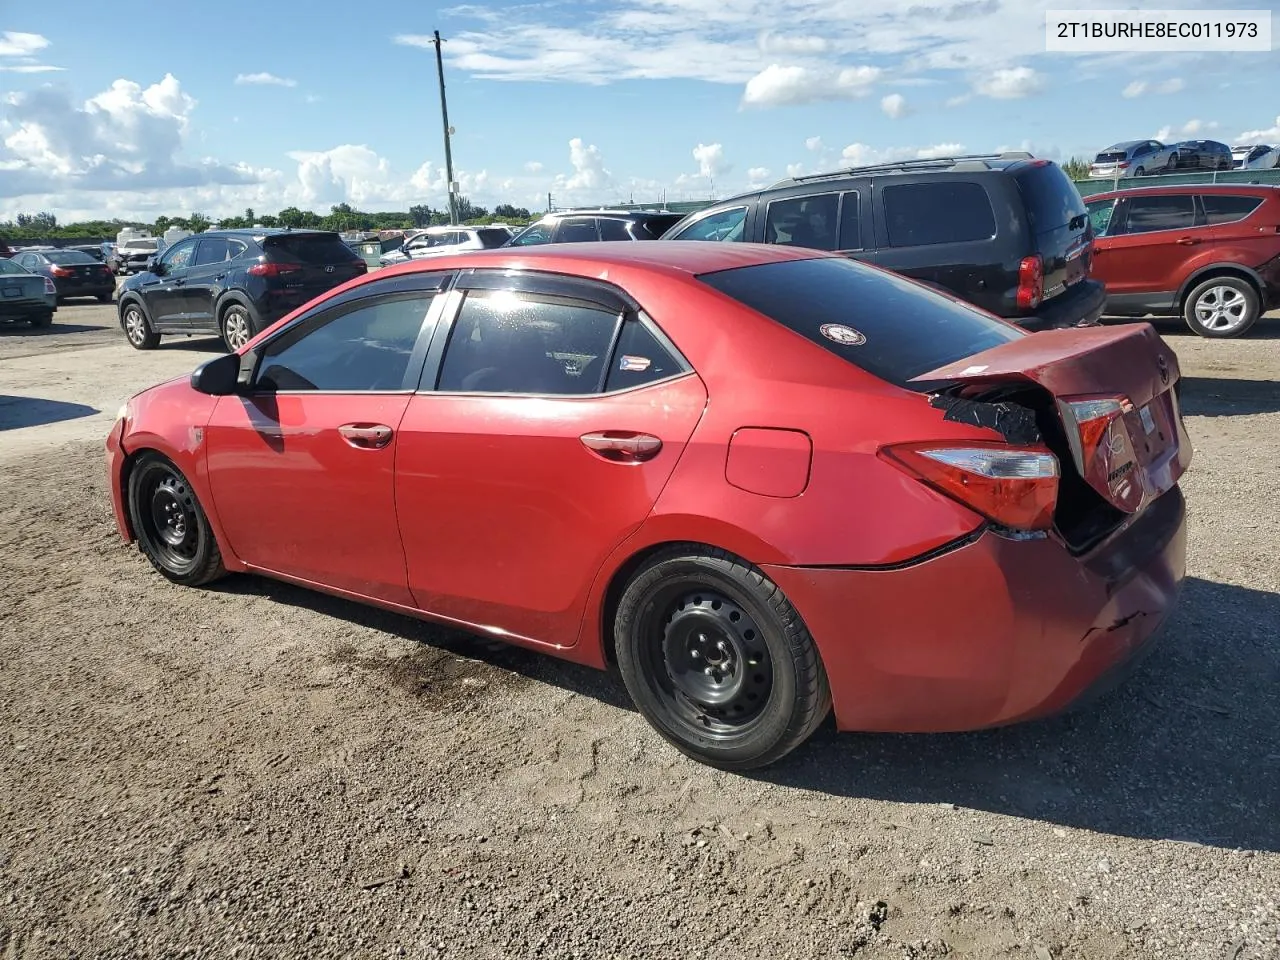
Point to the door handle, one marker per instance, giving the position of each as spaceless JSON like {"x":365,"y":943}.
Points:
{"x":1187,"y":241}
{"x":622,"y":446}
{"x":368,"y":436}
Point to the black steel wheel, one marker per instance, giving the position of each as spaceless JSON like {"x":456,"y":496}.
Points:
{"x":170,"y":525}
{"x":718,"y":660}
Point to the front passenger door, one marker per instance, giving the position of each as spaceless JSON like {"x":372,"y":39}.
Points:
{"x":300,"y":466}
{"x":166,"y":294}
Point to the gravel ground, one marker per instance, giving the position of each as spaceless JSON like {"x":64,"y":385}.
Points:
{"x":255,"y":770}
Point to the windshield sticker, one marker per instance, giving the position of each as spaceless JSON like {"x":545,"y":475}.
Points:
{"x":846,"y":336}
{"x":634,"y":364}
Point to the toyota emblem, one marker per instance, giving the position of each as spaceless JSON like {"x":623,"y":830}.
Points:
{"x":329,"y":269}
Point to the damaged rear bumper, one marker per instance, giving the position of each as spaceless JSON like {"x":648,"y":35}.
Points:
{"x":994,"y":632}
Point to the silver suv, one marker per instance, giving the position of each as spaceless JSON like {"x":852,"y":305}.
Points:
{"x":1133,"y":158}
{"x":439,"y":241}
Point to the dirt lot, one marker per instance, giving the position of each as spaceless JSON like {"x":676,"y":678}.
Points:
{"x":254,"y":770}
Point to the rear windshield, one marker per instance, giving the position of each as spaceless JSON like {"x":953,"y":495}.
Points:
{"x":1052,"y":200}
{"x":1110,"y":156}
{"x":309,"y":248}
{"x":8,"y":266}
{"x":69,"y":256}
{"x":493,"y":238}
{"x":655,"y":227}
{"x":909,"y":329}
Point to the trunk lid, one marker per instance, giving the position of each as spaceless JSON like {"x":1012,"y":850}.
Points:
{"x":1115,"y":399}
{"x":18,"y":287}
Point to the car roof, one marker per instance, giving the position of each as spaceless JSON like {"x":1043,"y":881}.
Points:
{"x":605,"y":212}
{"x":1210,"y":188}
{"x":261,"y":232}
{"x":595,"y":259}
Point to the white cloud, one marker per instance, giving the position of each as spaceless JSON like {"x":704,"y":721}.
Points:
{"x":711,"y":161}
{"x":861,"y":155}
{"x":1188,"y":129}
{"x":589,"y":179}
{"x":757,"y":176}
{"x":1010,"y":83}
{"x":30,"y":68}
{"x":795,"y":169}
{"x":1140,"y":87}
{"x":1269,"y":135}
{"x":774,"y":43}
{"x":894,"y":105}
{"x":959,"y":100}
{"x":813,"y":144}
{"x":13,"y":44}
{"x":777,"y":85}
{"x":264,"y":80}
{"x":533,"y":166}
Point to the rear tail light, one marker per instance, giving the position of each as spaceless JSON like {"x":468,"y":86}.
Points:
{"x":1017,"y":487}
{"x":360,"y":265}
{"x":270,"y":269}
{"x":1100,"y":445}
{"x":1122,"y":164}
{"x":1030,"y":282}
{"x":49,"y":287}
{"x":60,"y":271}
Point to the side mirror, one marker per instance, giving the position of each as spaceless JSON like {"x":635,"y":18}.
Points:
{"x":155,"y":266}
{"x":219,"y":377}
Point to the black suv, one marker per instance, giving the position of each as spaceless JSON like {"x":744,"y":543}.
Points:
{"x":232,"y":282}
{"x":1008,"y":233}
{"x":579,"y":226}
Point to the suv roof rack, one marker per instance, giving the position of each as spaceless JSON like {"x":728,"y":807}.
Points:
{"x":970,"y":161}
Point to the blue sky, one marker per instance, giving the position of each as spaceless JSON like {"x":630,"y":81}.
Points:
{"x":593,"y":101}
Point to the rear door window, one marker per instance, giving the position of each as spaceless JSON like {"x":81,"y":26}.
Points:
{"x":504,"y":341}
{"x":945,"y":211}
{"x":613,"y":229}
{"x":1167,"y":212}
{"x":804,"y":221}
{"x":1224,"y":209}
{"x":577,"y":230}
{"x":211,"y":250}
{"x":881,"y":322}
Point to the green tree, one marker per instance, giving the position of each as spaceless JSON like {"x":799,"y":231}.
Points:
{"x":420,"y":215}
{"x":506,"y":211}
{"x":198,"y":223}
{"x":292,"y":217}
{"x":1077,"y":168}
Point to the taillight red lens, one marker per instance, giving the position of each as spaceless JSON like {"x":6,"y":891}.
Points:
{"x":1030,"y":282}
{"x":58,"y":271}
{"x":1101,"y":446}
{"x":49,"y":287}
{"x":270,"y":269}
{"x":1017,"y":487}
{"x":360,"y":265}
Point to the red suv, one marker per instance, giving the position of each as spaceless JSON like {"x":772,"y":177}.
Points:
{"x":1210,"y":253}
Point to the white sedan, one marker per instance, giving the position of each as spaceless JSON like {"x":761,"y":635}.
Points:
{"x":439,"y":241}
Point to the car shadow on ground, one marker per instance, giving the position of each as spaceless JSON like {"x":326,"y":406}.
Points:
{"x":1187,"y":749}
{"x":1226,"y":397}
{"x":196,"y":344}
{"x":18,"y":412}
{"x":54,"y":329}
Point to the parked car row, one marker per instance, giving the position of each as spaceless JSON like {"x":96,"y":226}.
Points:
{"x":1137,"y":158}
{"x":26,"y":297}
{"x":74,"y":273}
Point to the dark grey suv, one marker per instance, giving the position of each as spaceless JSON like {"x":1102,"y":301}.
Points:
{"x":1008,"y":233}
{"x":589,"y":226}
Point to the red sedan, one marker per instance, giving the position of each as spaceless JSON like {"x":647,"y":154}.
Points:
{"x":762,"y":481}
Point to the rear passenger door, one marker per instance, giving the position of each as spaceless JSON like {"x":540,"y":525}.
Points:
{"x":830,"y":220}
{"x":549,"y":419}
{"x":206,"y":276}
{"x":942,"y":232}
{"x":577,"y":230}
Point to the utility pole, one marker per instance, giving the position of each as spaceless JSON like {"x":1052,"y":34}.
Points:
{"x":448,"y":130}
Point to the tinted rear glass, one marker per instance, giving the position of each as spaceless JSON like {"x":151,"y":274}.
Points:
{"x":69,"y":256}
{"x":947,"y":211}
{"x":1221,"y":209}
{"x":309,"y":248}
{"x":909,"y":329}
{"x":8,"y":266}
{"x":656,"y":226}
{"x":1052,"y":200}
{"x":1110,"y":156}
{"x":493,"y":238}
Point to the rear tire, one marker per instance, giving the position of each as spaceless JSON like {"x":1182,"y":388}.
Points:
{"x":1141,"y":171}
{"x":172,"y":529}
{"x":717,"y":659}
{"x":137,"y":328}
{"x":236,"y":326}
{"x":1221,"y":307}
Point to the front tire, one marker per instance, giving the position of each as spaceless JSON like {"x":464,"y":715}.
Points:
{"x":172,"y":529}
{"x":717,"y":659}
{"x":237,"y":327}
{"x":1222,"y":307}
{"x":137,"y":328}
